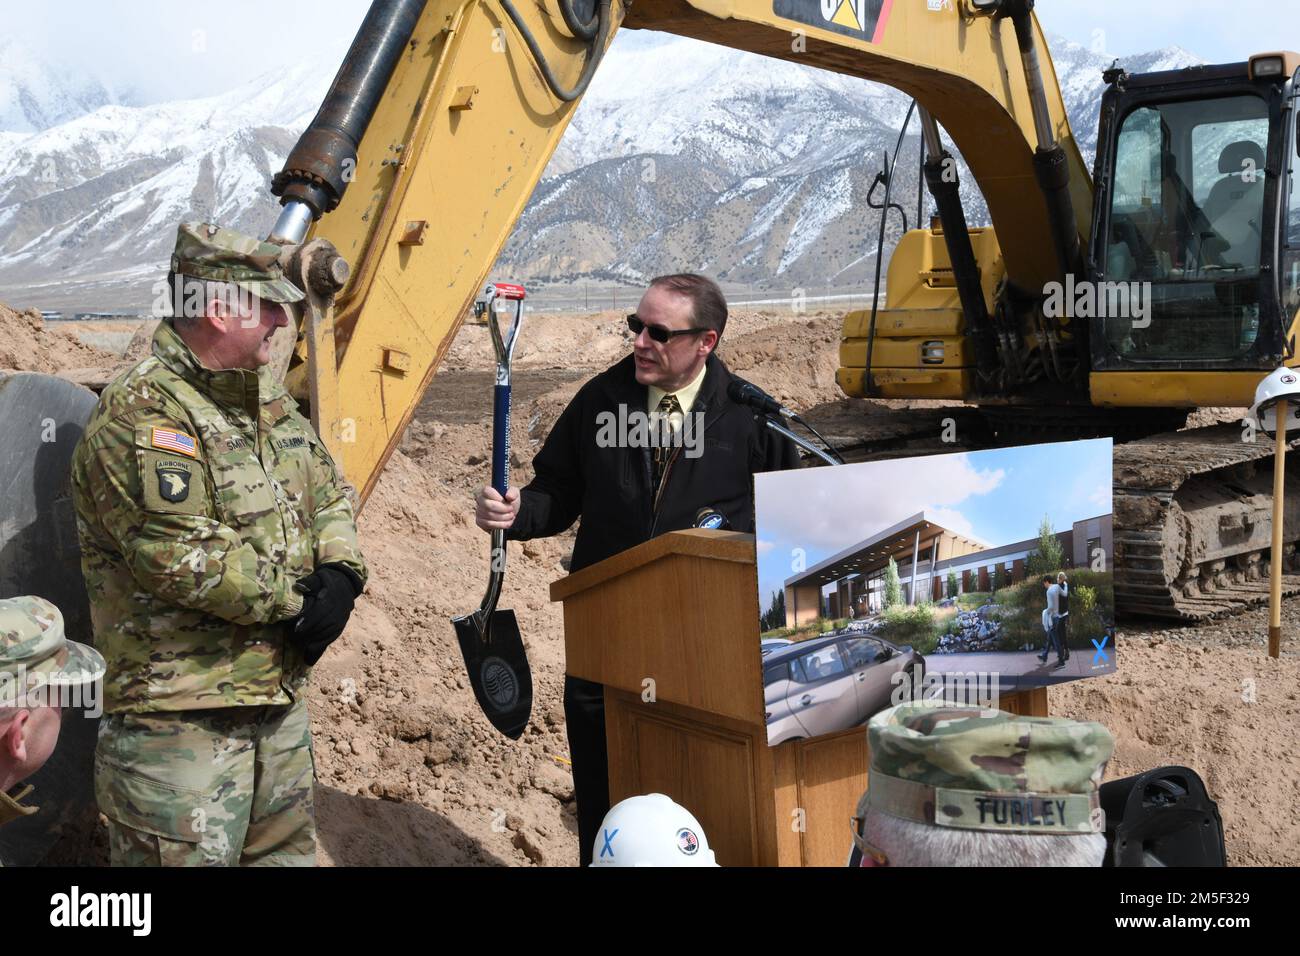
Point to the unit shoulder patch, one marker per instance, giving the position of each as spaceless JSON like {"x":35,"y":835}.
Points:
{"x":172,"y":485}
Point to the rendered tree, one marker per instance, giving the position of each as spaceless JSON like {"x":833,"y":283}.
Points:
{"x":774,"y":616}
{"x":893,"y":588}
{"x":1049,"y":557}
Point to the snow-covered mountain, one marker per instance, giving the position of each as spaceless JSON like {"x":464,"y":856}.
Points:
{"x":682,"y":155}
{"x":1079,"y":69}
{"x":35,"y":95}
{"x":759,"y":176}
{"x":100,"y":196}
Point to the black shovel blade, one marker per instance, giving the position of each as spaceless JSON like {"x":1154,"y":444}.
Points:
{"x":498,"y":670}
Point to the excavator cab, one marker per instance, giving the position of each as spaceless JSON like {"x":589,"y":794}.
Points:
{"x":1196,"y":239}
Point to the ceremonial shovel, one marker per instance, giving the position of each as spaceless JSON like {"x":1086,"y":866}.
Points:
{"x":489,"y":637}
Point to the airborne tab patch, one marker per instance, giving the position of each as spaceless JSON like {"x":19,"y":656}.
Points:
{"x":169,"y":439}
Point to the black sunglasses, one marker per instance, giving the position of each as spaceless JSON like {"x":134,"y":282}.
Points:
{"x":657,"y":332}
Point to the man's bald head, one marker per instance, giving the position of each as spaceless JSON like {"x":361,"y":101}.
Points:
{"x":28,"y":735}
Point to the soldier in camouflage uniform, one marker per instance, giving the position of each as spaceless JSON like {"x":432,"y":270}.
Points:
{"x":999,"y":787}
{"x":220,"y":554}
{"x":41,"y":672}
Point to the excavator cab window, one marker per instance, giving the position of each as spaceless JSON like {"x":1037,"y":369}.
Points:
{"x":1186,"y":227}
{"x":1290,"y":247}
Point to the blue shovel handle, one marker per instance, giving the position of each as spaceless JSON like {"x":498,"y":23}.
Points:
{"x":501,"y":438}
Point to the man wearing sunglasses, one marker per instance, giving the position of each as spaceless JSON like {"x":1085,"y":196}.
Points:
{"x":627,"y":491}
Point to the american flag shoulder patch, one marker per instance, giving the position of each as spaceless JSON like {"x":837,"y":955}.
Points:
{"x":169,"y":439}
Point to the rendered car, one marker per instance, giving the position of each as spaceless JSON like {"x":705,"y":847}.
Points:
{"x":770,"y":644}
{"x":831,"y":683}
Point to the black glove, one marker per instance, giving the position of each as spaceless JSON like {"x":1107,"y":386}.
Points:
{"x":328,"y":595}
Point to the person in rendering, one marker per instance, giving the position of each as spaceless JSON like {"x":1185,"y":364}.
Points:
{"x":625,"y":491}
{"x":1064,"y":622}
{"x":1047,"y":634}
{"x":1054,"y":610}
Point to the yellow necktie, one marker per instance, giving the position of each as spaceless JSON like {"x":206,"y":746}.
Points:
{"x":667,"y":407}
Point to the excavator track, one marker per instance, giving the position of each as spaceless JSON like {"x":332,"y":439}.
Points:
{"x":1193,"y":520}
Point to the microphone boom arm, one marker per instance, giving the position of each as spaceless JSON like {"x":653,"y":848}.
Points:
{"x":839,"y":459}
{"x":747,"y":393}
{"x":801,"y":442}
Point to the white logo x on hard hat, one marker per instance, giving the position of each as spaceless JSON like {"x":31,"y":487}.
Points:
{"x":651,"y":830}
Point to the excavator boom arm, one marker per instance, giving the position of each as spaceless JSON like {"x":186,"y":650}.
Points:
{"x":469,"y":118}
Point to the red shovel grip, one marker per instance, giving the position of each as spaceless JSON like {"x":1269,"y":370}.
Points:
{"x":506,"y":290}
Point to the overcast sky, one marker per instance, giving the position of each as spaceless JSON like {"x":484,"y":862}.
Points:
{"x":178,"y":49}
{"x":997,"y":497}
{"x":173,"y":49}
{"x":1221,"y":31}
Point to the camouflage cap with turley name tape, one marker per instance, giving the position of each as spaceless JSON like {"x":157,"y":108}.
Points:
{"x":982,"y":769}
{"x":209,"y":252}
{"x":35,"y":655}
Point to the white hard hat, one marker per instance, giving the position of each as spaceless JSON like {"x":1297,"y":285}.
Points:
{"x":651,"y":830}
{"x":1280,"y":383}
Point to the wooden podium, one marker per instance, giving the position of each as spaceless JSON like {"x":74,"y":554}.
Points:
{"x":670,"y":627}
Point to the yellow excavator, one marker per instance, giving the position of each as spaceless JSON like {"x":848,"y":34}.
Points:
{"x":1104,"y":303}
{"x":1110,"y":303}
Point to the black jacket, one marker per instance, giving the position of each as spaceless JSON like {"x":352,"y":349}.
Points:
{"x":609,"y":488}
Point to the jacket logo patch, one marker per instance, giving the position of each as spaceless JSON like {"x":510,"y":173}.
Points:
{"x":297,"y":441}
{"x":173,"y":483}
{"x":170,"y":440}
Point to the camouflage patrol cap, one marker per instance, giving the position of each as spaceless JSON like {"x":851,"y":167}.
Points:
{"x":209,"y":252}
{"x":984,"y":769}
{"x":34,"y":654}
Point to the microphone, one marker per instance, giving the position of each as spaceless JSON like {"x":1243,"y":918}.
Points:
{"x":747,"y":393}
{"x":709,"y":517}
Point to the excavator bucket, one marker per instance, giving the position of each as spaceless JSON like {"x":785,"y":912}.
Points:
{"x":41,"y":419}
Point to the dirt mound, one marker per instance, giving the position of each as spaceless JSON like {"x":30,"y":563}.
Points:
{"x":394,"y":716}
{"x":591,"y":341}
{"x":26,"y":344}
{"x":794,"y":360}
{"x":547,"y":341}
{"x":1209,"y":698}
{"x":1201,"y":417}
